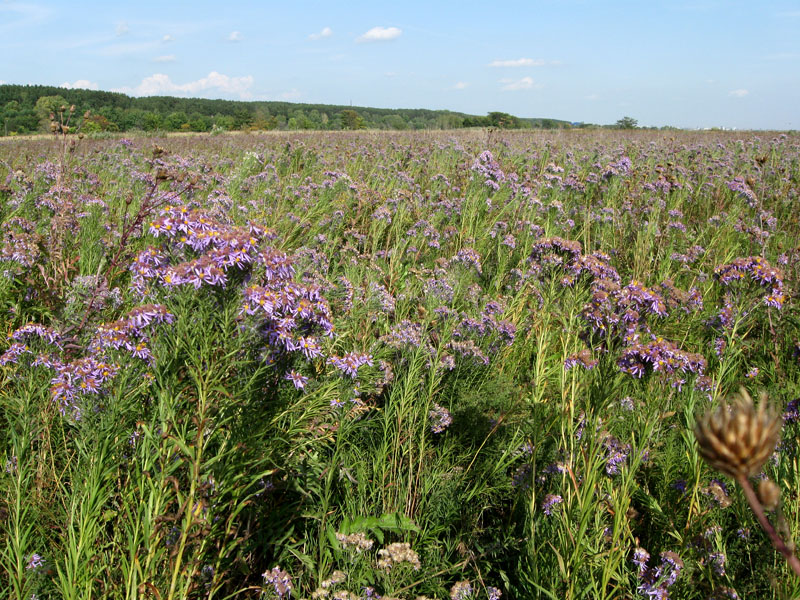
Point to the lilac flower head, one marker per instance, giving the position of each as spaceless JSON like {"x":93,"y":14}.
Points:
{"x":640,"y":559}
{"x":280,"y":581}
{"x":297,"y":379}
{"x":550,"y":501}
{"x":440,"y":418}
{"x":35,"y":561}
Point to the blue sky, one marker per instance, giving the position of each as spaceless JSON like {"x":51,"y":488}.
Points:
{"x":693,"y":63}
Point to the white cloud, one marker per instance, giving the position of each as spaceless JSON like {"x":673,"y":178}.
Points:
{"x":80,"y":84}
{"x":235,"y":36}
{"x":165,"y":58}
{"x":167,"y":38}
{"x":380,"y":34}
{"x":122,"y":28}
{"x":519,"y":62}
{"x":160,"y":84}
{"x":740,"y":93}
{"x":292,"y":94}
{"x":2,"y":82}
{"x":461,"y":85}
{"x":789,"y":13}
{"x":326,"y":32}
{"x":592,"y":97}
{"x":512,"y":85}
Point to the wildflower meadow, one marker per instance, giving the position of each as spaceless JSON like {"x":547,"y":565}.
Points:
{"x":354,"y":365}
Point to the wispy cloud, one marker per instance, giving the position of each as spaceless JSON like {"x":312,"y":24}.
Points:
{"x":235,"y":36}
{"x":740,"y":93}
{"x":326,"y":32}
{"x":380,"y":34}
{"x":215,"y":82}
{"x":292,"y":94}
{"x":792,"y":14}
{"x":167,"y":58}
{"x":783,"y":56}
{"x":460,"y":85}
{"x":26,"y":14}
{"x":513,"y":85}
{"x":167,"y":38}
{"x":80,"y":84}
{"x":121,"y":28}
{"x":519,"y":62}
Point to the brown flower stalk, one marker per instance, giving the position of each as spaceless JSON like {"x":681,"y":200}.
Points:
{"x":737,"y":440}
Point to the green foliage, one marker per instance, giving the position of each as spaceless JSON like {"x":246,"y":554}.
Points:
{"x":626,"y":123}
{"x":27,"y":107}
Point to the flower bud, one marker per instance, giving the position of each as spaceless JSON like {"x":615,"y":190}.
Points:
{"x":769,"y":494}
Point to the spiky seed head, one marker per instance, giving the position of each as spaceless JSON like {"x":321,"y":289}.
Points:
{"x":737,"y":439}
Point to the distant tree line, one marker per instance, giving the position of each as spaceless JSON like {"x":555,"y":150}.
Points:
{"x":26,"y":109}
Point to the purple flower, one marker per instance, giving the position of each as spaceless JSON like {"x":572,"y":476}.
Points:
{"x":440,"y":418}
{"x":550,"y":501}
{"x":280,"y":581}
{"x":717,"y":562}
{"x":640,"y":559}
{"x":351,"y":362}
{"x":297,"y":379}
{"x":493,"y":593}
{"x":34,"y":562}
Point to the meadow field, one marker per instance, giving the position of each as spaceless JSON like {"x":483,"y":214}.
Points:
{"x":357,"y":365}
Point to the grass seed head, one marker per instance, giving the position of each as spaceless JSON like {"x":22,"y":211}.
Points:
{"x":737,"y":439}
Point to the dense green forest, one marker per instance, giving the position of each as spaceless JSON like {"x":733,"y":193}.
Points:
{"x":27,"y":109}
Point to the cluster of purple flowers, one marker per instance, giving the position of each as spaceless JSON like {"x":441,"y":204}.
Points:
{"x":350,"y":362}
{"x":404,"y":335}
{"x":31,"y":334}
{"x":440,"y":417}
{"x":489,"y":170}
{"x":739,"y":185}
{"x":128,"y":333}
{"x":755,"y":269}
{"x":691,"y":256}
{"x":550,"y":502}
{"x":615,"y":311}
{"x":656,"y":580}
{"x":468,"y":257}
{"x":215,"y":249}
{"x":280,"y":581}
{"x":660,"y":356}
{"x":676,"y":298}
{"x":20,"y":245}
{"x":291,"y":318}
{"x":567,"y":248}
{"x":616,"y":454}
{"x":77,"y":380}
{"x":582,"y":358}
{"x":620,"y":167}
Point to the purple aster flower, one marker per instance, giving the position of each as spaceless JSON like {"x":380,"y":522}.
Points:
{"x":34,"y":562}
{"x":297,"y":379}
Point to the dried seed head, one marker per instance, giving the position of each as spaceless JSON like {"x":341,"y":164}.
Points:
{"x":738,"y":439}
{"x":769,"y":494}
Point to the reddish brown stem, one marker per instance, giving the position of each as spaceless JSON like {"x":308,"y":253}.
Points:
{"x":776,"y":539}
